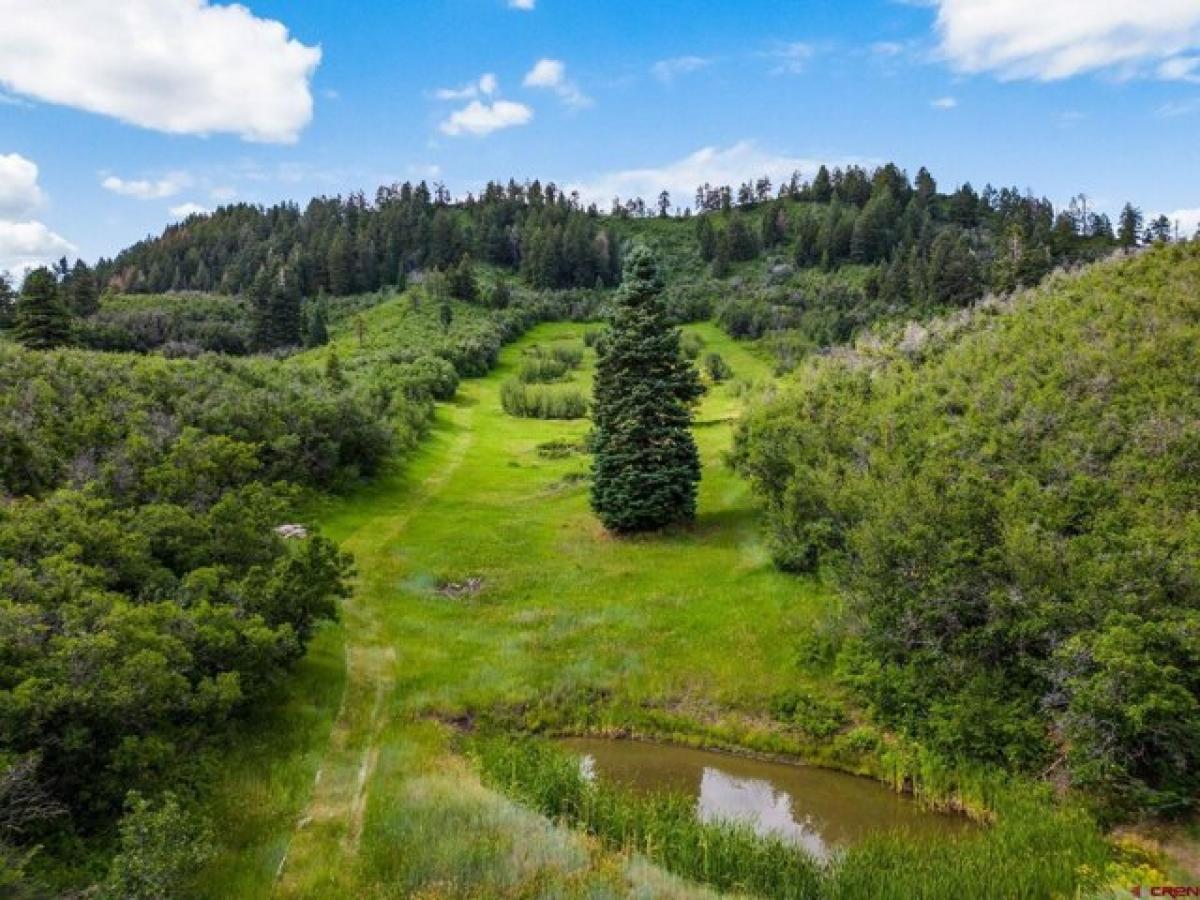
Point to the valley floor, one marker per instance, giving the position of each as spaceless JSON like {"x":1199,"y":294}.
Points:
{"x":487,"y":587}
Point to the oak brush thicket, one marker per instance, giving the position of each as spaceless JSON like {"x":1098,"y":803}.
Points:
{"x":647,"y":466}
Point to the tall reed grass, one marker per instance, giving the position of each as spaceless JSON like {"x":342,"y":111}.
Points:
{"x":1036,"y":847}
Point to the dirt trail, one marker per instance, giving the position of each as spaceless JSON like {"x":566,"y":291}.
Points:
{"x":327,"y":834}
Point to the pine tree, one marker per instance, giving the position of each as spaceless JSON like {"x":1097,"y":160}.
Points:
{"x":954,"y":278}
{"x":80,"y":289}
{"x":1130,"y":227}
{"x":260,"y":309}
{"x":646,"y":463}
{"x":42,"y":320}
{"x":822,"y":186}
{"x":284,"y":328}
{"x":460,"y":281}
{"x":8,"y":302}
{"x":318,"y":326}
{"x":339,"y":265}
{"x":707,"y":238}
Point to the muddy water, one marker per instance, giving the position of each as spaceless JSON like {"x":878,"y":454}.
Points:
{"x":820,"y":809}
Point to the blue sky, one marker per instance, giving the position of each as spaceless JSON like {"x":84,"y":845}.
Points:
{"x":118,"y":116}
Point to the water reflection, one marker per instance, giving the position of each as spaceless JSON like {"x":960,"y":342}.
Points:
{"x":819,"y":809}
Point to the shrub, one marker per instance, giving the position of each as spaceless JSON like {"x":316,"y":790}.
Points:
{"x":430,"y":376}
{"x":542,"y":370}
{"x":162,"y":847}
{"x":690,"y":344}
{"x":715,"y":367}
{"x":540,"y":402}
{"x":818,"y":717}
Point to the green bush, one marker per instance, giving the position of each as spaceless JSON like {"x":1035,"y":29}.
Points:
{"x":818,"y":717}
{"x":691,"y":344}
{"x":429,"y":376}
{"x":541,"y":402}
{"x":542,"y":370}
{"x":161,"y":849}
{"x":1009,"y":500}
{"x":715,"y":367}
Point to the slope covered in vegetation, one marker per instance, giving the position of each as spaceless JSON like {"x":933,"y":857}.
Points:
{"x":1010,"y":501}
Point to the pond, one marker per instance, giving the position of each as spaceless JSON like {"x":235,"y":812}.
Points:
{"x":820,"y":809}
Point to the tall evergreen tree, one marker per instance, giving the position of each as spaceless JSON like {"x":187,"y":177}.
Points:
{"x":646,"y":463}
{"x":1129,"y":228}
{"x":8,"y":302}
{"x":42,"y":320}
{"x":79,"y":290}
{"x":317,"y":332}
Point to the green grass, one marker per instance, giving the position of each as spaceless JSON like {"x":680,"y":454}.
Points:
{"x":570,"y":629}
{"x":564,"y":628}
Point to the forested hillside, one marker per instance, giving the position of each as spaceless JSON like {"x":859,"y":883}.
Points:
{"x":1009,"y":499}
{"x":868,"y":245}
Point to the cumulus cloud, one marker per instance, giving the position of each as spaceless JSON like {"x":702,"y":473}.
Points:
{"x":487,"y":85}
{"x":479,"y":119}
{"x":551,"y":74}
{"x":24,"y":245}
{"x":1055,"y":39}
{"x":143,"y":189}
{"x":19,"y":191}
{"x":178,"y":66}
{"x":670,"y":69}
{"x":714,"y":165}
{"x":183,"y":210}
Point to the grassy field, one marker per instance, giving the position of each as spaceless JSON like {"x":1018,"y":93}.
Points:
{"x":488,"y":589}
{"x":488,"y":597}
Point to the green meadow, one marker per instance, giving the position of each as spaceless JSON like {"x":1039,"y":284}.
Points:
{"x":489,"y":601}
{"x":487,"y":590}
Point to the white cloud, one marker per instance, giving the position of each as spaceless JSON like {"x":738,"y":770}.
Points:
{"x":670,"y":69}
{"x":551,"y":74}
{"x":791,"y":59}
{"x":1180,"y":68}
{"x":179,"y":66}
{"x":716,"y":166}
{"x":24,"y":245}
{"x":183,"y":210}
{"x":487,"y":85}
{"x":1188,"y":219}
{"x":223,"y":194}
{"x":527,"y":5}
{"x":546,"y":73}
{"x":1054,"y":39}
{"x":19,"y":191}
{"x":944,"y":103}
{"x":143,"y":189}
{"x":478,"y":118}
